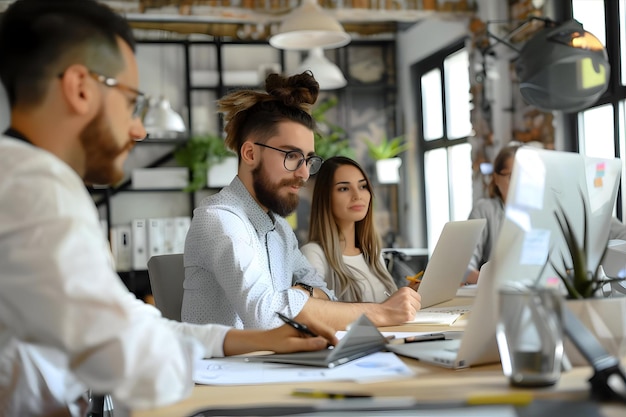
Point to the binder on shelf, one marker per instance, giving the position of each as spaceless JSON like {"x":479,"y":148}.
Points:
{"x":139,"y":244}
{"x":121,"y":247}
{"x":156,"y":241}
{"x":169,"y":235}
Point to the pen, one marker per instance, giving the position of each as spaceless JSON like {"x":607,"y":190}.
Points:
{"x":387,"y":293}
{"x":416,"y":278}
{"x":333,"y":395}
{"x":418,"y":338}
{"x":298,"y":326}
{"x":513,"y":398}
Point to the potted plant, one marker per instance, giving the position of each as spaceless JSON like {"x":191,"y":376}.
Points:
{"x":330,"y":139}
{"x":580,"y":279}
{"x":386,"y":148}
{"x":385,"y":152}
{"x":204,"y":156}
{"x":604,"y":317}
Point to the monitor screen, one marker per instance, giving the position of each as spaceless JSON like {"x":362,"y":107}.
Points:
{"x":544,"y":182}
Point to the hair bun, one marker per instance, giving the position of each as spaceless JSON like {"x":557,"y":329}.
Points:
{"x":299,"y":90}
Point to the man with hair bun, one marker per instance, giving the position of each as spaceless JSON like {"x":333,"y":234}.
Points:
{"x":242,"y":261}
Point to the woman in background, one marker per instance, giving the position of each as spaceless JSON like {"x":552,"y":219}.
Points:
{"x":343,"y":243}
{"x":491,"y":209}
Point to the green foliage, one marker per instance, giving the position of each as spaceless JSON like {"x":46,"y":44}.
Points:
{"x":379,"y":146}
{"x":386,"y":148}
{"x":580,"y":279}
{"x":199,"y":154}
{"x":330,"y":139}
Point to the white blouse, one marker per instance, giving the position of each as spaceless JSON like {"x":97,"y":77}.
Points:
{"x":372,"y":288}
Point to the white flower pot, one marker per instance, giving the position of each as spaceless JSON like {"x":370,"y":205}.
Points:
{"x":220,"y":175}
{"x":606,"y":319}
{"x":388,"y":170}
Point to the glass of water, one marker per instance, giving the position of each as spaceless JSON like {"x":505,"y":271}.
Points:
{"x":530,"y":335}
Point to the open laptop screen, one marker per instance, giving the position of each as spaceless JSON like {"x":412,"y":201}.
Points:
{"x":544,"y":182}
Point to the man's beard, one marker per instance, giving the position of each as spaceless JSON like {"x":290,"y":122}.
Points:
{"x":101,"y":151}
{"x":267,"y":192}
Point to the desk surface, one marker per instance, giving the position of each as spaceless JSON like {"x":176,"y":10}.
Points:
{"x":430,"y":383}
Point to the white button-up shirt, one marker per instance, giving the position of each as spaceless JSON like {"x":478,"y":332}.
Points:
{"x":67,"y":322}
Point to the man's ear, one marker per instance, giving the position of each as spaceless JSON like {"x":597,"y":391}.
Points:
{"x":78,"y":89}
{"x":248,"y":153}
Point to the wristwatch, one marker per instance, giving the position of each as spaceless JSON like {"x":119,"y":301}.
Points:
{"x":305,"y":287}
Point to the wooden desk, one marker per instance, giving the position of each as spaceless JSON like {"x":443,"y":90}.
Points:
{"x":431,"y":383}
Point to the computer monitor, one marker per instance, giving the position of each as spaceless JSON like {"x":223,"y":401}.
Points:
{"x":542,"y":183}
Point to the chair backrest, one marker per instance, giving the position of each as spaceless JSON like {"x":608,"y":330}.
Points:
{"x":167,"y":273}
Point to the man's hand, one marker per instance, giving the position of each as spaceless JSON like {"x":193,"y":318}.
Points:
{"x":400,"y":307}
{"x":286,"y":339}
{"x":283,"y":339}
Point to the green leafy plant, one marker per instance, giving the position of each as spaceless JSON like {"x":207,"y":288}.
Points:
{"x":384,"y":148}
{"x":581,"y":280}
{"x":199,"y":154}
{"x":330,"y":139}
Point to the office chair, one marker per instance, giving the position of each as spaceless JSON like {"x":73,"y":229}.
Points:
{"x":166,"y":274}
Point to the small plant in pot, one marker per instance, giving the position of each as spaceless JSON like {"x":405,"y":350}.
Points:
{"x":386,"y":148}
{"x":385,"y":152}
{"x":580,"y":279}
{"x":199,"y":154}
{"x":603,"y":316}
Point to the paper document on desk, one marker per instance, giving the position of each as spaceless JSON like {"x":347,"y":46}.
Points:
{"x":238,"y":371}
{"x":440,"y":315}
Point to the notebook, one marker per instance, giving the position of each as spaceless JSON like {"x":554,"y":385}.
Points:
{"x":448,"y":263}
{"x":476,"y":344}
{"x":361,"y":339}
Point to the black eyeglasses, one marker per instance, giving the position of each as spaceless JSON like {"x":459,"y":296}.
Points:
{"x":295,"y":159}
{"x":139,"y":101}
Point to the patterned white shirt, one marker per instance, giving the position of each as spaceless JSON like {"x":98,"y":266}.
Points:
{"x":240,"y":264}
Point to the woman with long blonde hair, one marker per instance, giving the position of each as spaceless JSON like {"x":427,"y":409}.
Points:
{"x":344,"y":245}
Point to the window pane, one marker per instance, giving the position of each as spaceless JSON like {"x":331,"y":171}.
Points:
{"x":432,"y":105}
{"x":591,"y":14}
{"x":460,"y":180}
{"x":596,"y":132}
{"x":622,"y":37}
{"x":455,"y":68}
{"x":436,"y":186}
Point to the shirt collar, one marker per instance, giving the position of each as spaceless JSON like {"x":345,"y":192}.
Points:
{"x":262,"y":221}
{"x":16,"y":135}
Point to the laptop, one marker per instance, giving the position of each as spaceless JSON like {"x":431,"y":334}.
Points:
{"x":360,"y":340}
{"x":529,"y":233}
{"x":448,"y":263}
{"x":476,"y":345}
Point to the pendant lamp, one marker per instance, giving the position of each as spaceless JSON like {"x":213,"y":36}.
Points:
{"x":563,"y":68}
{"x":161,"y":120}
{"x":326,"y":73}
{"x":308,"y":27}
